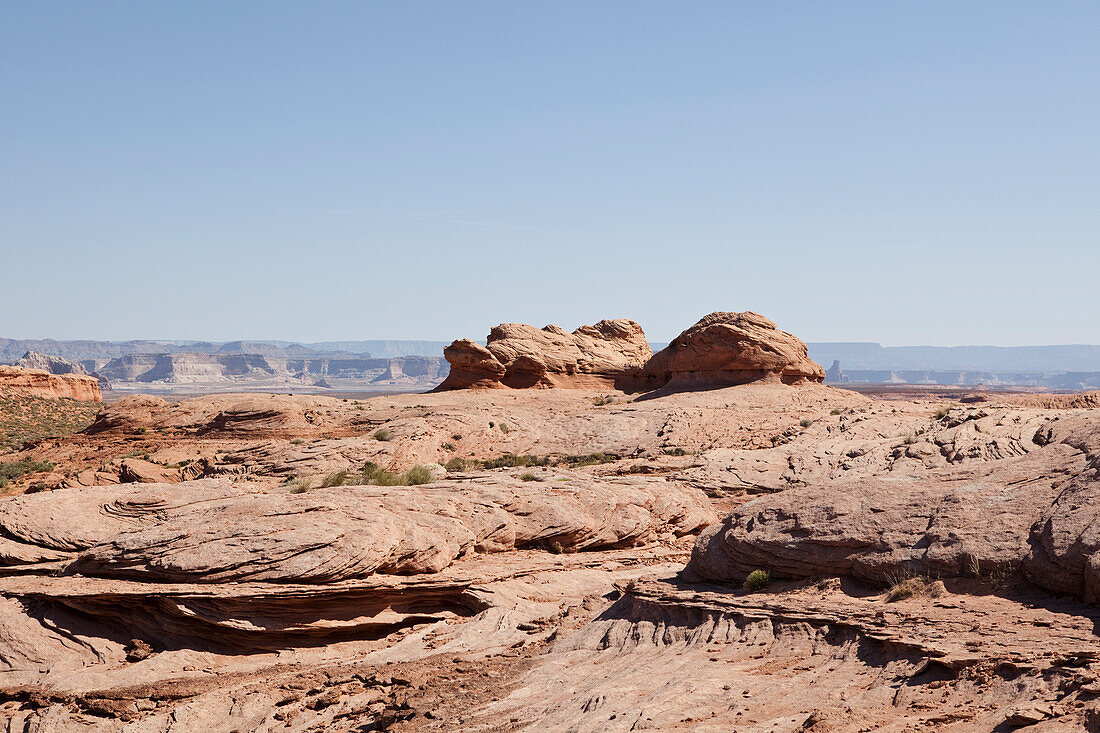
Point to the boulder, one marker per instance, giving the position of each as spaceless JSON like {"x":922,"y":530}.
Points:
{"x":48,"y":363}
{"x":732,"y":348}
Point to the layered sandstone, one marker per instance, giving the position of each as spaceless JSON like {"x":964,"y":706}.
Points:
{"x":517,"y":355}
{"x":40,"y":383}
{"x":733,"y":348}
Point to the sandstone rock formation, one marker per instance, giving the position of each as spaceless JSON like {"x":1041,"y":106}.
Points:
{"x":729,"y":349}
{"x":722,"y":349}
{"x":47,"y":363}
{"x":517,"y":355}
{"x":40,"y":383}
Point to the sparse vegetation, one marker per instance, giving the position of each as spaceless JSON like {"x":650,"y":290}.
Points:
{"x":913,"y":586}
{"x":16,"y":469}
{"x":805,"y":422}
{"x":457,"y":464}
{"x":510,"y":460}
{"x":297,"y":441}
{"x":941,"y":413}
{"x":603,"y":400}
{"x":24,"y":419}
{"x":528,"y":476}
{"x":836,"y":411}
{"x":909,"y":438}
{"x":300,"y":485}
{"x":757,"y":581}
{"x":675,"y":451}
{"x":456,"y":436}
{"x":504,"y":428}
{"x":374,"y":474}
{"x":449,"y":447}
{"x":383,"y":435}
{"x":335,"y":478}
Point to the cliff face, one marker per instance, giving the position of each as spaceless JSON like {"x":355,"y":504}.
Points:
{"x":40,"y":383}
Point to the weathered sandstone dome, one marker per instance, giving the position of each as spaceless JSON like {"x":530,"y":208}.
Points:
{"x":733,"y":348}
{"x":518,"y":355}
{"x":721,"y":349}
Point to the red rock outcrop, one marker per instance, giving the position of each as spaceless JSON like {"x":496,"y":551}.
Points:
{"x":721,"y":349}
{"x":732,"y":348}
{"x":517,"y":355}
{"x":39,"y":383}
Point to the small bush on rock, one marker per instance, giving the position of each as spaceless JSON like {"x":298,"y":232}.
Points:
{"x":757,"y":581}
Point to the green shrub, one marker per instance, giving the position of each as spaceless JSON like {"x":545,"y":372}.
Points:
{"x":383,"y":435}
{"x":757,"y":580}
{"x":457,"y":464}
{"x":456,"y":436}
{"x":449,"y":447}
{"x":15,"y":469}
{"x":417,"y":475}
{"x":335,"y":478}
{"x":675,"y":452}
{"x":589,"y":459}
{"x":511,"y":460}
{"x":836,"y":411}
{"x":805,"y":422}
{"x":528,"y":476}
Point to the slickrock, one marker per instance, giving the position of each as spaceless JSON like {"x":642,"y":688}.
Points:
{"x":40,"y":383}
{"x":732,"y":348}
{"x":519,"y":356}
{"x":209,"y":531}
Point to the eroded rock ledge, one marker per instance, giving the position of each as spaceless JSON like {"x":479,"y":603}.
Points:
{"x":721,"y":349}
{"x":40,"y":383}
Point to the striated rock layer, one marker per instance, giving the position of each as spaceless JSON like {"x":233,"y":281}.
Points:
{"x":517,"y":355}
{"x":40,"y":383}
{"x":722,"y":349}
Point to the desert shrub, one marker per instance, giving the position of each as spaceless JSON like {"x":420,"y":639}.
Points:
{"x":15,"y":469}
{"x":941,"y":413}
{"x":589,"y":459}
{"x":511,"y":460}
{"x":449,"y":447}
{"x":417,"y":475}
{"x":554,"y":547}
{"x":675,"y":452}
{"x":757,"y":580}
{"x":805,"y":422}
{"x":836,"y":411}
{"x":383,"y":435}
{"x":457,"y":464}
{"x":300,"y":485}
{"x":913,"y":586}
{"x":296,"y":441}
{"x":335,"y":478}
{"x":528,"y":476}
{"x":504,"y":428}
{"x":374,"y":474}
{"x":909,"y":438}
{"x":775,"y":439}
{"x":141,"y":431}
{"x":456,"y":436}
{"x":603,"y":400}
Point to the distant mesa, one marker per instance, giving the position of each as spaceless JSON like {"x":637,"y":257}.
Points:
{"x":721,"y":349}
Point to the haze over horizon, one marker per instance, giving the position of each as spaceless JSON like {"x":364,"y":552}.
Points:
{"x":855,"y":171}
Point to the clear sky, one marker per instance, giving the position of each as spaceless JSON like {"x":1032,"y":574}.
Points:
{"x":909,"y":173}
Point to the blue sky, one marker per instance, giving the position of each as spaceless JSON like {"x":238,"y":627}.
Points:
{"x":909,"y":173}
